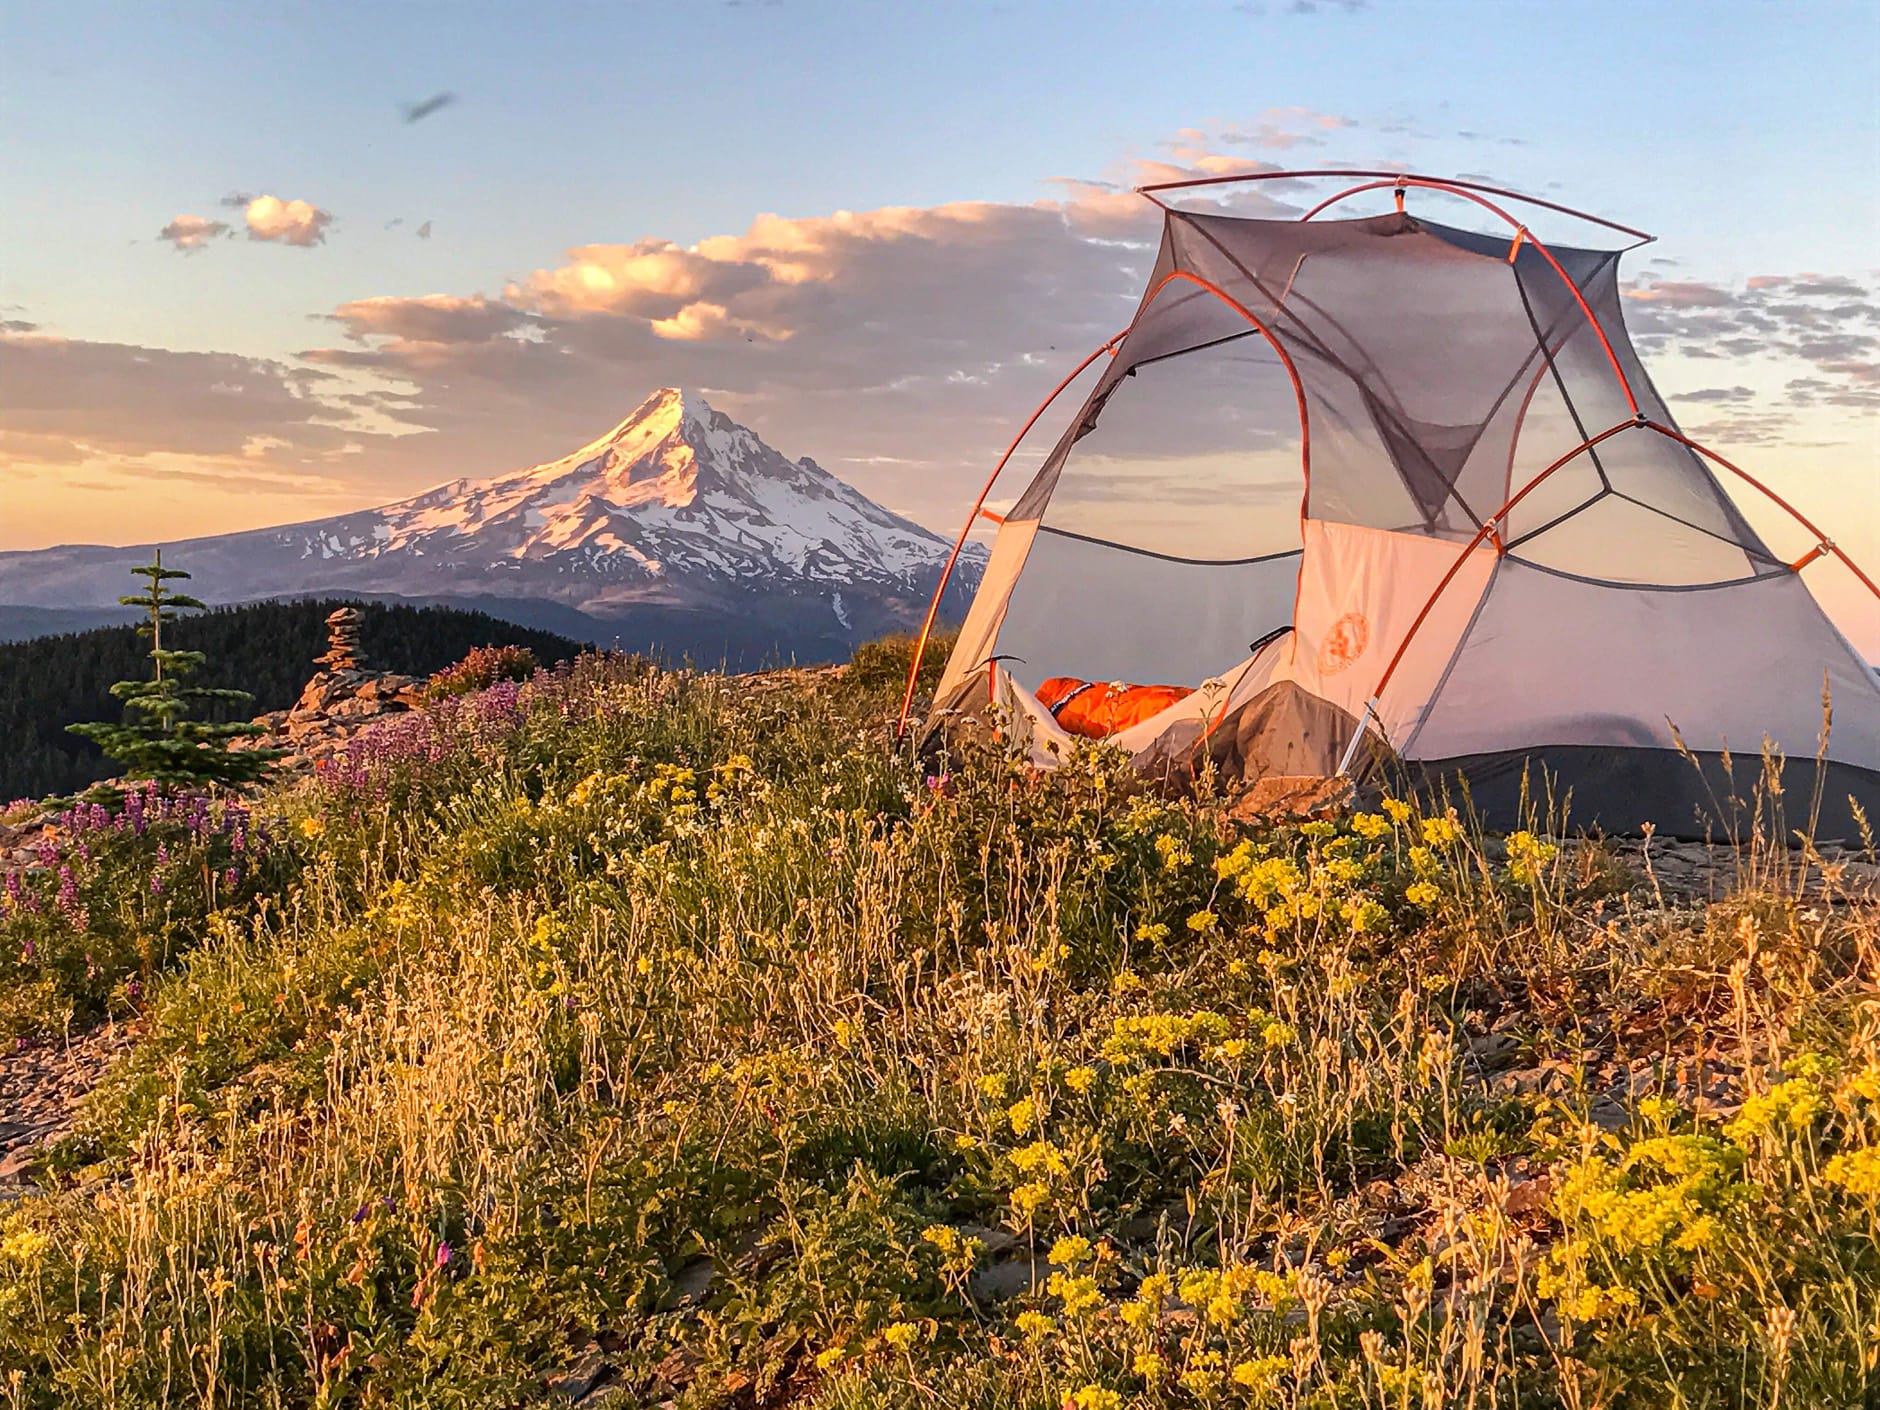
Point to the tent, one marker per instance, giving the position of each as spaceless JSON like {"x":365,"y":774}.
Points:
{"x":1396,"y":499}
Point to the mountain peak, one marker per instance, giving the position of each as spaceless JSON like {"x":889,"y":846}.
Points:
{"x":670,"y":407}
{"x":677,"y":508}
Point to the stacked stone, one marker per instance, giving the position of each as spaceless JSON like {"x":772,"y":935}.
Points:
{"x":342,"y":641}
{"x":344,"y":695}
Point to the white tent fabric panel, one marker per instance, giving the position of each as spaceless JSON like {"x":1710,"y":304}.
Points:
{"x":974,"y":645}
{"x":1359,"y":592}
{"x":1553,"y":660}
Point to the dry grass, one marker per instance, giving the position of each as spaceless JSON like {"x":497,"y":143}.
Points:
{"x":697,"y":1036}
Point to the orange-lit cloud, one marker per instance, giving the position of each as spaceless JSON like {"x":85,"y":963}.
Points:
{"x":288,"y":222}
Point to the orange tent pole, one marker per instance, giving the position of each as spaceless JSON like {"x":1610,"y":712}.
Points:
{"x":959,"y":544}
{"x":1823,"y":543}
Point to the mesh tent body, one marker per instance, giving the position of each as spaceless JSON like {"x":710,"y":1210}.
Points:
{"x":1387,"y":493}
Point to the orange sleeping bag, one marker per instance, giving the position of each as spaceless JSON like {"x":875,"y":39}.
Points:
{"x":1097,"y":711}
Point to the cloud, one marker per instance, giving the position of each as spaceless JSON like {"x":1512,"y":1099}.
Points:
{"x":190,"y":233}
{"x":134,"y":400}
{"x":289,"y":222}
{"x":863,"y":338}
{"x":1828,"y":324}
{"x":1278,"y":129}
{"x":1681,"y":294}
{"x":434,"y":318}
{"x":1811,"y":285}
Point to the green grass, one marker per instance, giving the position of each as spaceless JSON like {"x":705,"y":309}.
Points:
{"x":519,"y":1036}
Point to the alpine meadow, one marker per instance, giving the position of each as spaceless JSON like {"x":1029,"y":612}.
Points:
{"x":813,"y":705}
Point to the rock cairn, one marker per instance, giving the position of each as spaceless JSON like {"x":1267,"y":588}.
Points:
{"x":342,"y":641}
{"x":342,"y":696}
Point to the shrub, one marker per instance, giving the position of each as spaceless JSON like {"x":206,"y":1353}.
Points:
{"x":481,"y":669}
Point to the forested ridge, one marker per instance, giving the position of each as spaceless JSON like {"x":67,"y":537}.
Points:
{"x":266,"y":648}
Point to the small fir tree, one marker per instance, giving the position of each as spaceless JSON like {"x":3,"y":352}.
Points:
{"x":157,"y":739}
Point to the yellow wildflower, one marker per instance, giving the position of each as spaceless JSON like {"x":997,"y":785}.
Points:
{"x":1040,"y":1156}
{"x":1262,"y":1374}
{"x":1033,"y":1325}
{"x":1080,"y":1079}
{"x":901,"y":1335}
{"x":1071,"y":1250}
{"x":23,"y":1246}
{"x":1174,"y":856}
{"x":1079,"y":1295}
{"x":1857,"y":1172}
{"x":1023,"y":1115}
{"x":1030,"y":1197}
{"x":1363,"y":915}
{"x":1440,"y":832}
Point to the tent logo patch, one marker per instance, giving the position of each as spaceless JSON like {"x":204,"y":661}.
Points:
{"x":1344,"y":643}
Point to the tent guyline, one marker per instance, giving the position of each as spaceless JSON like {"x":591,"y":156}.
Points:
{"x":1431,"y":371}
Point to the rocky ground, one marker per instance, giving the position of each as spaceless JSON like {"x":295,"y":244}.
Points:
{"x":42,"y":1084}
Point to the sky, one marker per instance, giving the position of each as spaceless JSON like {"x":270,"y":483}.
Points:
{"x":251,"y":271}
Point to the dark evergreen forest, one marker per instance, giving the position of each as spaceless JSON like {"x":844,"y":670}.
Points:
{"x":266,"y":648}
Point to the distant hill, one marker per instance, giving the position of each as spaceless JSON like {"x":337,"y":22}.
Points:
{"x":263,"y":647}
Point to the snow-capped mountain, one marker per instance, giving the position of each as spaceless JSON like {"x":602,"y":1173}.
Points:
{"x":679,"y":530}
